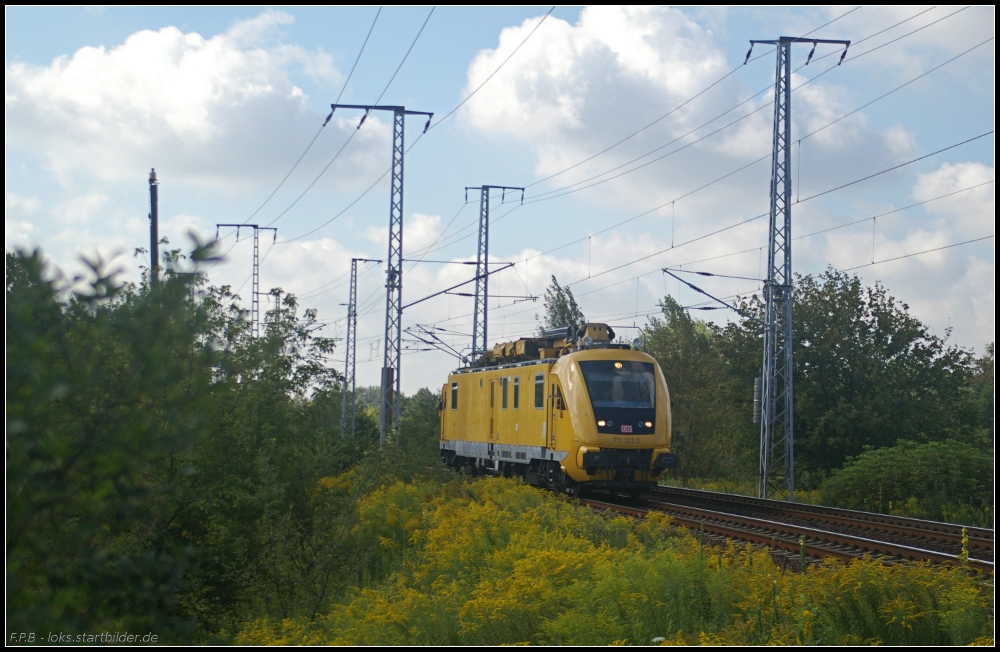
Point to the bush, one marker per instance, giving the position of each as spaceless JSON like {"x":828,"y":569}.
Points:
{"x":946,"y":481}
{"x":495,"y":562}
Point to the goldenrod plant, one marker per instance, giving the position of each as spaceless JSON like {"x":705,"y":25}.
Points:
{"x":495,"y":562}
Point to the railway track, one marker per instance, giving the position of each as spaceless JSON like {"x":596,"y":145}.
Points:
{"x":817,"y":531}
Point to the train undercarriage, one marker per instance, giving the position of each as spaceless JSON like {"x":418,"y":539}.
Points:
{"x":623,"y":475}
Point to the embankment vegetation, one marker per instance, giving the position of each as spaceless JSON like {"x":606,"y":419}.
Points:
{"x":168,"y":472}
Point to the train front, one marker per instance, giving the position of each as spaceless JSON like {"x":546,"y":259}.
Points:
{"x":620,"y":408}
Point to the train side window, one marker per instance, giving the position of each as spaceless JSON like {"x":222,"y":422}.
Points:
{"x":539,"y":391}
{"x":517,"y":391}
{"x":454,"y":396}
{"x":503,"y":392}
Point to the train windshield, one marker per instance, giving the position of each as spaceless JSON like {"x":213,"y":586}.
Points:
{"x":623,"y":384}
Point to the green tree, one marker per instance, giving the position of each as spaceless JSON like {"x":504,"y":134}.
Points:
{"x":420,"y":425}
{"x":267,"y":543}
{"x":105,"y":394}
{"x":561,"y":308}
{"x":703,"y":414}
{"x":867,"y":373}
{"x":978,"y":403}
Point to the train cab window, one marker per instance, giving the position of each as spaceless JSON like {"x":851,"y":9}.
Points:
{"x":454,"y":396}
{"x":557,"y":397}
{"x":517,"y":391}
{"x":539,"y":391}
{"x":503,"y":392}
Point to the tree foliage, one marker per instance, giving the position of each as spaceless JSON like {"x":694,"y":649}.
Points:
{"x":941,"y":481}
{"x":163,"y":463}
{"x":561,"y":308}
{"x":105,"y":396}
{"x":168,"y":471}
{"x":700,"y":391}
{"x":867,"y":375}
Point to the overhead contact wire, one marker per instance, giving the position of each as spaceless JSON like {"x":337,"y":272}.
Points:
{"x":318,"y":132}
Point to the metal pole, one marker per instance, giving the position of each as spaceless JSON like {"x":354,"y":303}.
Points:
{"x":391,"y":406}
{"x":777,"y":460}
{"x":393,"y":290}
{"x":255,"y":285}
{"x":350,"y":365}
{"x":255,"y":275}
{"x":349,"y":343}
{"x":482,"y":280}
{"x":154,"y":226}
{"x":480,"y":343}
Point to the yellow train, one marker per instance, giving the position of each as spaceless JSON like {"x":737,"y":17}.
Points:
{"x":570,"y":410}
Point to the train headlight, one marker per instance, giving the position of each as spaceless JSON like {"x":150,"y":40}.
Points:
{"x":649,"y":424}
{"x":618,"y":365}
{"x":602,"y":423}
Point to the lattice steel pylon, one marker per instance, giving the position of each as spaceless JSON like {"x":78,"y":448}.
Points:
{"x":479,"y":321}
{"x":777,"y":436}
{"x":390,"y":407}
{"x":255,"y":276}
{"x":350,"y":344}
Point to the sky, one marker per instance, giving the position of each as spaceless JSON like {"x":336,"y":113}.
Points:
{"x":641,"y":140}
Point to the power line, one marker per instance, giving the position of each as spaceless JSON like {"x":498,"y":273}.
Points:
{"x":644,"y":128}
{"x":502,"y":64}
{"x":559,"y":192}
{"x":481,"y":85}
{"x":358,"y":58}
{"x":825,"y":192}
{"x":737,"y":295}
{"x":737,"y":224}
{"x":895,"y":167}
{"x":919,"y":253}
{"x":318,"y":132}
{"x":839,"y":226}
{"x":766,"y":156}
{"x":867,"y":104}
{"x":347,"y":142}
{"x":746,"y":221}
{"x":680,"y":106}
{"x":896,"y":210}
{"x":405,"y":56}
{"x":417,"y":140}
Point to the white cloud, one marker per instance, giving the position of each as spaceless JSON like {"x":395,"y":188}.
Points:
{"x":18,"y":228}
{"x":970,"y":213}
{"x":81,"y":210}
{"x":419,"y":232}
{"x":18,"y":233}
{"x":218,"y":112}
{"x":574,"y":89}
{"x":15,"y":204}
{"x":930,"y":37}
{"x":571,"y":78}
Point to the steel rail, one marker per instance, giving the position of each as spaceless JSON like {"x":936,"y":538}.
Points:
{"x":784,"y":536}
{"x":980,"y":539}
